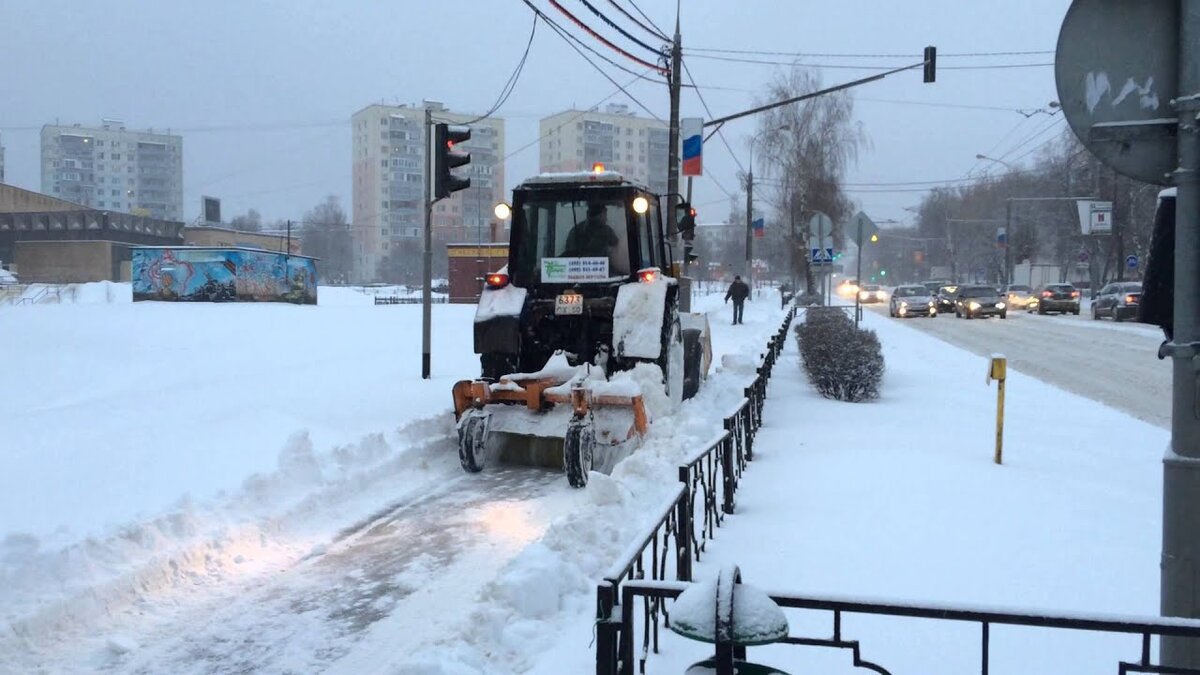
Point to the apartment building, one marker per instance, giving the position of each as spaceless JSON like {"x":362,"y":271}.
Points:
{"x":389,"y":149}
{"x":114,"y":169}
{"x":574,"y":140}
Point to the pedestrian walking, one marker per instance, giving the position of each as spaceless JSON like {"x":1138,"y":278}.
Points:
{"x":738,"y":292}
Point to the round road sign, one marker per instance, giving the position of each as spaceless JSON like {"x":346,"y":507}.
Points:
{"x":1131,"y":261}
{"x":1116,"y":69}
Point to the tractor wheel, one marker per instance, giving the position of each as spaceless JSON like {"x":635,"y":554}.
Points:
{"x":693,"y":358}
{"x":671,"y":356}
{"x":578,"y":450}
{"x":472,"y":437}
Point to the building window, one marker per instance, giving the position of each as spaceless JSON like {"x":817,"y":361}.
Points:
{"x":383,"y":204}
{"x":101,"y":204}
{"x":116,"y":155}
{"x":383,"y":162}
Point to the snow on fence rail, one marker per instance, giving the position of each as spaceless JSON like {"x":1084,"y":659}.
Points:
{"x":401,"y":300}
{"x":708,"y":479}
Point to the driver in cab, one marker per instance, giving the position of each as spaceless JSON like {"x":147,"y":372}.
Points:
{"x":593,"y":237}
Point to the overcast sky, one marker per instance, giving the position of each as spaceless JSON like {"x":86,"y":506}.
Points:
{"x":263,"y":90}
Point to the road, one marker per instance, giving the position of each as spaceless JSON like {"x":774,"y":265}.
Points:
{"x":1113,"y":363}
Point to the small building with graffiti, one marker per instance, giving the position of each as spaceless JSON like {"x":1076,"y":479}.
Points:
{"x":222,"y":274}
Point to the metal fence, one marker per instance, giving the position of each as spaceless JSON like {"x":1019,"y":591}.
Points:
{"x":400,"y":300}
{"x":686,"y":522}
{"x":657,"y":593}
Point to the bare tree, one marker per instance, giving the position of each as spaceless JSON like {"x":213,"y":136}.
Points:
{"x":810,"y":157}
{"x":251,"y":221}
{"x":327,"y":237}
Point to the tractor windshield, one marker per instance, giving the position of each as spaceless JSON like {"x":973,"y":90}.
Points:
{"x":548,"y":228}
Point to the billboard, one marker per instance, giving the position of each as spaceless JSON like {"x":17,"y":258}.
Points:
{"x":212,"y":209}
{"x":191,"y":274}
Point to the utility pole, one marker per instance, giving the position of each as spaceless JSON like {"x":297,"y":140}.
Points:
{"x":1181,"y":467}
{"x":427,"y":273}
{"x":676,"y":81}
{"x":750,"y":220}
{"x":1008,"y":237}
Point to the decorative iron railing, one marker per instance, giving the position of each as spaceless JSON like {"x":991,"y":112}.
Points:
{"x":686,"y":521}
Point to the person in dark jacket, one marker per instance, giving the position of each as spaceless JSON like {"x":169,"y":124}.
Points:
{"x":738,"y":291}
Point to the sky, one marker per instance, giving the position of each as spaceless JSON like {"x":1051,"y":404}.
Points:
{"x":263,"y":90}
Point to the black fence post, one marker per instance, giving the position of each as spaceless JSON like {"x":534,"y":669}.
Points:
{"x":728,"y":482}
{"x":606,"y":630}
{"x":626,"y":640}
{"x":683,"y":525}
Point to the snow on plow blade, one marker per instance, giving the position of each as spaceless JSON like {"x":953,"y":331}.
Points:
{"x":557,"y":422}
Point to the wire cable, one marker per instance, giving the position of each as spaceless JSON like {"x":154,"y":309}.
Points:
{"x":843,"y":66}
{"x":568,"y":37}
{"x":572,"y":40}
{"x":720,"y":132}
{"x":604,"y":41}
{"x":511,"y":84}
{"x":658,"y":52}
{"x":639,"y":24}
{"x":662,"y":33}
{"x":864,"y":56}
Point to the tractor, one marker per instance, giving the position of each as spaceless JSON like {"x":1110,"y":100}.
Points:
{"x":571,"y":332}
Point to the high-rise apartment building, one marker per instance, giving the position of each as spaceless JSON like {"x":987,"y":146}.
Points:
{"x":574,"y":140}
{"x":389,"y":149}
{"x":111,"y":168}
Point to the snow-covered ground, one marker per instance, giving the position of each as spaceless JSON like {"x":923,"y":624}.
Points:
{"x":269,"y":488}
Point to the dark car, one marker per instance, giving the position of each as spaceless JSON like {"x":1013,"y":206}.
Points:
{"x":912,"y":300}
{"x":933,"y":285}
{"x":945,"y":297}
{"x":1118,"y":301}
{"x":1061,"y":298}
{"x":977,"y":301}
{"x":871,"y":293}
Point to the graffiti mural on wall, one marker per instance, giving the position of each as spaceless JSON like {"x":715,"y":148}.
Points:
{"x":223,"y":275}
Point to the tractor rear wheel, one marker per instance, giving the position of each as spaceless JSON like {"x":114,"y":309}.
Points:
{"x":472,"y":437}
{"x":579,"y":447}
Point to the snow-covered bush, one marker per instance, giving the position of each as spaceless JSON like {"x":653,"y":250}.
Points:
{"x":841,"y":361}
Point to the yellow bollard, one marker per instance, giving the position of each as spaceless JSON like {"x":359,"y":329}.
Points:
{"x":998,"y":372}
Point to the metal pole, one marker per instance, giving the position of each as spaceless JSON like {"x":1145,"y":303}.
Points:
{"x":750,"y":216}
{"x":685,"y":299}
{"x":1008,"y":237}
{"x":289,"y":237}
{"x":792,"y":225}
{"x":858,"y":275}
{"x":1181,"y":467}
{"x":426,"y":294}
{"x":676,"y":81}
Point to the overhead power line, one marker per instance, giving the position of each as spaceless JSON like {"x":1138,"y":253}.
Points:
{"x":834,"y":55}
{"x":511,"y":84}
{"x":844,"y":66}
{"x":656,"y":33}
{"x":707,"y":110}
{"x":622,"y":31}
{"x":604,"y":41}
{"x":571,"y":40}
{"x":650,"y":21}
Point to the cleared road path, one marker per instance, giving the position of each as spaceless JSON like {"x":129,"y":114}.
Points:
{"x":1113,"y":363}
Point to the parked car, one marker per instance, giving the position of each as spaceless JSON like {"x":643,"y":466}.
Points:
{"x":977,"y":301}
{"x":1061,"y":298}
{"x":1018,"y":296}
{"x":912,"y":300}
{"x":871,"y":293}
{"x":1118,"y":301}
{"x":946,"y":295}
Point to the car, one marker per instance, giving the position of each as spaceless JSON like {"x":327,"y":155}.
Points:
{"x":871,"y":293}
{"x":1118,"y":301}
{"x":1061,"y":298}
{"x":912,"y":300}
{"x":977,"y":301}
{"x":1019,"y":296}
{"x":934,"y":284}
{"x":945,"y":297}
{"x":848,"y":288}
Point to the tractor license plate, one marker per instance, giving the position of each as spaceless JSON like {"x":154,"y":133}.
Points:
{"x":568,"y":303}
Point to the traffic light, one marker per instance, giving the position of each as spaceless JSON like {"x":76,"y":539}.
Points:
{"x":445,"y":137}
{"x":685,"y":217}
{"x":883,"y":273}
{"x":930,"y":64}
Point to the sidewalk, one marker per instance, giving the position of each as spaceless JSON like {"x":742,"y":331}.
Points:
{"x":899,"y":499}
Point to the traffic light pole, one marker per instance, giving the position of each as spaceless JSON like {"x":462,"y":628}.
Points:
{"x":1181,"y":466}
{"x":427,"y":272}
{"x":858,"y":275}
{"x":685,"y":301}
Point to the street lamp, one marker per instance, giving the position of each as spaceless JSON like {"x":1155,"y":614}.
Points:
{"x":1001,"y":162}
{"x":750,"y":203}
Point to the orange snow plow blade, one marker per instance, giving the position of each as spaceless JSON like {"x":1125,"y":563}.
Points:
{"x":532,"y":393}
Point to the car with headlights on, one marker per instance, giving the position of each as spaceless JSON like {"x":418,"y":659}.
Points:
{"x":977,"y":301}
{"x":912,"y":300}
{"x":1118,"y":301}
{"x":871,"y":293}
{"x":1061,"y":298}
{"x":1019,"y":296}
{"x":945,"y":297}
